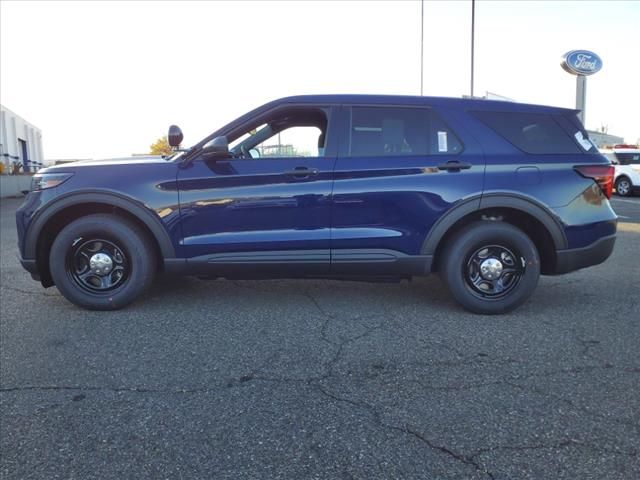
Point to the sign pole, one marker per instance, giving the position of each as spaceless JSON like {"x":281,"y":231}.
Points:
{"x":581,"y":96}
{"x":473,"y":39}
{"x":421,"y":46}
{"x":581,"y":63}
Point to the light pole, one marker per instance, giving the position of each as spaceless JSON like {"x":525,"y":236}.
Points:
{"x":473,"y":38}
{"x":421,"y":45}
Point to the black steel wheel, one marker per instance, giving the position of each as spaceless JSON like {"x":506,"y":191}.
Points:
{"x":102,"y":262}
{"x":493,"y":271}
{"x":490,"y":267}
{"x":97,"y":265}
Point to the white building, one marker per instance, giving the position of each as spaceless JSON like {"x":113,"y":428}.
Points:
{"x":602,"y":139}
{"x":20,"y":141}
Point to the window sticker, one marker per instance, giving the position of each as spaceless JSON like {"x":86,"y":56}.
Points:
{"x":442,"y":142}
{"x":584,"y":142}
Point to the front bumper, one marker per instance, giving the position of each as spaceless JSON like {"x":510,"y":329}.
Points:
{"x":576,"y":258}
{"x":30,"y":266}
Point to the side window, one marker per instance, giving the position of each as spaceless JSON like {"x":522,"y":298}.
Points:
{"x":397,"y":131}
{"x":442,"y":138}
{"x":295,"y":132}
{"x":245,"y":137}
{"x":531,"y":132}
{"x":293,"y":142}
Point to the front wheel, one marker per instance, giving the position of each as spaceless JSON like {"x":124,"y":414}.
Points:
{"x":490,"y":267}
{"x":623,"y":187}
{"x":102,"y":262}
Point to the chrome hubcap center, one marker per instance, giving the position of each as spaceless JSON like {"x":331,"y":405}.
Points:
{"x":491,"y":269}
{"x":100,"y":263}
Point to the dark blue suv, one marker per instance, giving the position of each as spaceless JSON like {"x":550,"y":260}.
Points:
{"x":488,"y":194}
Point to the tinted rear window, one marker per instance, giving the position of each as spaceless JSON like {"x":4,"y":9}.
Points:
{"x":397,"y":131}
{"x":531,"y":132}
{"x":628,"y":158}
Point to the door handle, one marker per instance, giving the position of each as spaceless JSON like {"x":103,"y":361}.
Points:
{"x":302,"y":172}
{"x":454,"y":166}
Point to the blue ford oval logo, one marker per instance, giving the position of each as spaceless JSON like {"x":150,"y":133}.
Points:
{"x":581,"y":62}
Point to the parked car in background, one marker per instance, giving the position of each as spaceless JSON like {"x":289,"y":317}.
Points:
{"x":488,"y":194}
{"x":626,"y":160}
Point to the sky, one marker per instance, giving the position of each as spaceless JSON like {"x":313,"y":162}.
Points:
{"x":106,"y":79}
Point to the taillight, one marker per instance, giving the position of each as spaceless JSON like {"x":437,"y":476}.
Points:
{"x":601,"y":174}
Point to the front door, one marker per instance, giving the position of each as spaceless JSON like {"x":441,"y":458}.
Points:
{"x":266,"y":208}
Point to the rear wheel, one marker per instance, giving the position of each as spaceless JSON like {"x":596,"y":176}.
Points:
{"x":102,"y":262}
{"x":490,"y":267}
{"x":623,"y":186}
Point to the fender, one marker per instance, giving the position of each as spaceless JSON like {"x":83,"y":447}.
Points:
{"x":495,"y":200}
{"x":136,"y":208}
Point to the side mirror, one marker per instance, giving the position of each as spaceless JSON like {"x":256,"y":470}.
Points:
{"x":216,"y":148}
{"x":175,"y":136}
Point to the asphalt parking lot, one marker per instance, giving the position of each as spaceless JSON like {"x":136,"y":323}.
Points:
{"x":323,"y":379}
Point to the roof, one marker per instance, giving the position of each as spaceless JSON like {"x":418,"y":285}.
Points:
{"x":360,"y":99}
{"x":451,"y":102}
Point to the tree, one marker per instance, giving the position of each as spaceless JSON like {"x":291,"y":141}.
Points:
{"x":161,"y":147}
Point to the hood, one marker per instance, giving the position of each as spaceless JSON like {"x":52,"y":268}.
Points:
{"x":141,"y":159}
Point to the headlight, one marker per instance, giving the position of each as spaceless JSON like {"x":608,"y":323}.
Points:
{"x":40,"y":181}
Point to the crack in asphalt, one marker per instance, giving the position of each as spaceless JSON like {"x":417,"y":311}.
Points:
{"x":570,"y":442}
{"x":461,"y":458}
{"x":339,"y":346}
{"x":587,"y":348}
{"x":27,"y":388}
{"x":407,"y":430}
{"x":463,"y":360}
{"x":375,"y":415}
{"x":572,"y":404}
{"x":28,"y":292}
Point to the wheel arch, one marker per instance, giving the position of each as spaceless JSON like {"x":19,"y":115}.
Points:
{"x":50,"y":221}
{"x":624,"y":175}
{"x":536,"y":220}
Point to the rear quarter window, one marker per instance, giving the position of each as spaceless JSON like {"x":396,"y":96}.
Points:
{"x":531,"y":132}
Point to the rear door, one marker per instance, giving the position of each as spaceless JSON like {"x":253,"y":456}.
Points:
{"x":399,"y":170}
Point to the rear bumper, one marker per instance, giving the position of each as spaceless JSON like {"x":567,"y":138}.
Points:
{"x":576,"y":258}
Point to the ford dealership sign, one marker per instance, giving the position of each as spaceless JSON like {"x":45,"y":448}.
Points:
{"x":581,"y":62}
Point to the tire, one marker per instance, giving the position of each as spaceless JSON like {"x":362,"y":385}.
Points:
{"x":102,"y":262}
{"x":469,"y":269}
{"x":624,"y":187}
